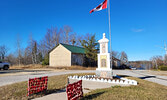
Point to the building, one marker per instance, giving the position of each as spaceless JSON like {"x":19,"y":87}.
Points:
{"x":66,"y":55}
{"x":116,"y":62}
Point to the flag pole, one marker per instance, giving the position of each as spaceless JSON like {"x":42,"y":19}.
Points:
{"x":110,"y":33}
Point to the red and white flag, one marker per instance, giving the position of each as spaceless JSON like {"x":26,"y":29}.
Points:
{"x":100,"y":7}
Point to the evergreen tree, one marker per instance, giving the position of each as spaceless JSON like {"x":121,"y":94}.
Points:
{"x":46,"y":60}
{"x":91,"y":50}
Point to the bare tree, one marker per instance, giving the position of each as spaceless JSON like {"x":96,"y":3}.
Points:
{"x":18,"y":46}
{"x":124,"y":58}
{"x":56,"y":33}
{"x":66,"y":32}
{"x":116,"y":54}
{"x":79,"y":39}
{"x":72,"y":39}
{"x":32,"y":50}
{"x":51,"y":39}
{"x":157,"y":61}
{"x":165,"y":60}
{"x":11,"y":58}
{"x":3,"y":51}
{"x":27,"y":56}
{"x":76,"y":40}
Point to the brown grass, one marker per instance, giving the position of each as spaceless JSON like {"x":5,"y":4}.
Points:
{"x":31,"y":66}
{"x":38,"y":66}
{"x":74,"y":68}
{"x":18,"y":91}
{"x":145,"y":90}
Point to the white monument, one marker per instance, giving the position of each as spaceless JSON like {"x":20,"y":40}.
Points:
{"x":104,"y":69}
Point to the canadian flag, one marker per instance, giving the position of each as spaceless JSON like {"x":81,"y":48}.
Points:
{"x":100,"y":7}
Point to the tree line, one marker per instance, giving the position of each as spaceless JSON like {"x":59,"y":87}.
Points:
{"x":155,"y":62}
{"x":37,"y":52}
{"x":159,"y":62}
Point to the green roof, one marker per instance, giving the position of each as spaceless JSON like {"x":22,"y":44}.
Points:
{"x":74,"y":49}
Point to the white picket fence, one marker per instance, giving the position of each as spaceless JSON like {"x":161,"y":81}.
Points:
{"x":113,"y":81}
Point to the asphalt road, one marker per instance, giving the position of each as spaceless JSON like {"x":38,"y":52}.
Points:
{"x":145,"y":75}
{"x":13,"y":76}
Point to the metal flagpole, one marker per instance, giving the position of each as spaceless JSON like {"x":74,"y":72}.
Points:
{"x":110,"y":33}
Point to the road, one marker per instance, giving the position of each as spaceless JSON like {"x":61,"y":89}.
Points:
{"x":145,"y":75}
{"x":13,"y":76}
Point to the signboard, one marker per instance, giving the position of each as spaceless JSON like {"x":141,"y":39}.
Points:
{"x":103,"y":61}
{"x":74,"y":91}
{"x":37,"y":85}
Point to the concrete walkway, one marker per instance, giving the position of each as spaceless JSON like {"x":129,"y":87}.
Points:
{"x":61,"y":95}
{"x":143,"y":74}
{"x":86,"y":85}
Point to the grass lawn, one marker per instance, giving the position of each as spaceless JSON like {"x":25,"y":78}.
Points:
{"x":18,"y":91}
{"x":145,"y":90}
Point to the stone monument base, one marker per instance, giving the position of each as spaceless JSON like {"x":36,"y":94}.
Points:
{"x":104,"y":73}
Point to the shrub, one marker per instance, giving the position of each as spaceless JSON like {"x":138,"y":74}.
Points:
{"x":164,"y":68}
{"x":45,"y":61}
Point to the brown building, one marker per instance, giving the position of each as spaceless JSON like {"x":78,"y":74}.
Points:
{"x":66,"y":55}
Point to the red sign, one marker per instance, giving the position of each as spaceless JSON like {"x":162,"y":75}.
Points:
{"x":37,"y":85}
{"x":74,"y":91}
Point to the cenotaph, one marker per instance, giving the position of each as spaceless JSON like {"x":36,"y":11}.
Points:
{"x":104,"y":70}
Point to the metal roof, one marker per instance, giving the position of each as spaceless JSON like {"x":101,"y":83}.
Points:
{"x":74,"y":49}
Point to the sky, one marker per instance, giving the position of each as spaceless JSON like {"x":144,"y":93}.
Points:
{"x":138,"y":27}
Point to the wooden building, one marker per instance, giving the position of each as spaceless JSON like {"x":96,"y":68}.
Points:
{"x":66,"y":55}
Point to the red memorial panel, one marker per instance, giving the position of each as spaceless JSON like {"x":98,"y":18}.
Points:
{"x":37,"y":85}
{"x":74,"y":91}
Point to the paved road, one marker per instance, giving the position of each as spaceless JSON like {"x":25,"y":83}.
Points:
{"x":143,"y":74}
{"x":9,"y":79}
{"x":25,"y":75}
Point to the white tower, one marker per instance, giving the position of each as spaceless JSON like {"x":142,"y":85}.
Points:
{"x":104,"y":69}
